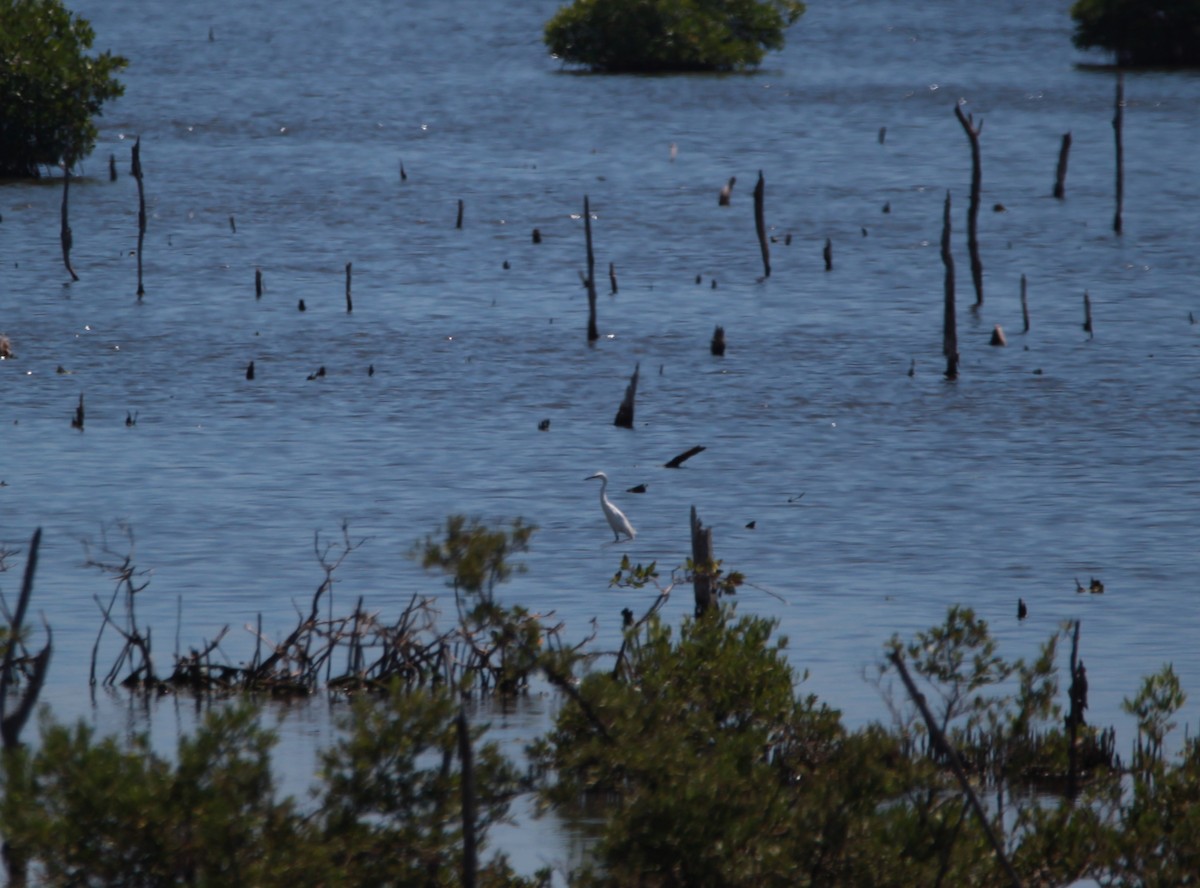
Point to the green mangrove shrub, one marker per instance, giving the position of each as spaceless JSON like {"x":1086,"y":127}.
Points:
{"x":652,"y":36}
{"x":50,"y":88}
{"x":1140,"y":33}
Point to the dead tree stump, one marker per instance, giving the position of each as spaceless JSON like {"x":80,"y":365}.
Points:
{"x":137,"y":175}
{"x":760,"y":225}
{"x":65,"y":231}
{"x":590,"y":281}
{"x":1024,"y":304}
{"x":827,"y":253}
{"x":973,"y":132}
{"x":624,"y":418}
{"x":717,"y":346}
{"x":1118,"y":123}
{"x":349,"y":301}
{"x":949,"y":321}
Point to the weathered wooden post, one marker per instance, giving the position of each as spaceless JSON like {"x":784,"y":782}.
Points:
{"x":458,"y":222}
{"x":624,"y":418}
{"x":349,"y":301}
{"x":827,"y":254}
{"x":258,"y":283}
{"x":137,"y":175}
{"x":612,"y":277}
{"x":973,"y":132}
{"x":702,"y":561}
{"x":1060,"y":174}
{"x":592,"y":333}
{"x":949,"y":321}
{"x":77,"y":419}
{"x":1118,"y":121}
{"x":112,"y":167}
{"x":1087,"y":314}
{"x":760,"y":225}
{"x":717,"y":346}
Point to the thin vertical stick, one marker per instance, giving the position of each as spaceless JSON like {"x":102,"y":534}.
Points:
{"x":949,"y":320}
{"x":590,"y":281}
{"x":458,"y":224}
{"x":466,"y":756}
{"x":137,"y":174}
{"x":827,"y":253}
{"x":1024,"y":304}
{"x":1087,"y":314}
{"x":956,"y":765}
{"x":612,"y":277}
{"x":65,"y":232}
{"x":112,"y":167}
{"x":973,"y":132}
{"x":349,"y":302}
{"x":760,"y":225}
{"x":1118,"y":121}
{"x":258,"y":283}
{"x":702,"y":559}
{"x":1060,"y":174}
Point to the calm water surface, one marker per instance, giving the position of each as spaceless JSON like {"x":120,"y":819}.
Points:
{"x":1055,"y":458}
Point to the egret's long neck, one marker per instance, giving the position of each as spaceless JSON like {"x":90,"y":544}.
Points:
{"x":603,"y":487}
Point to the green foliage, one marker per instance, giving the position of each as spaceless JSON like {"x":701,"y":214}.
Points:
{"x":50,"y":89}
{"x":476,"y":556}
{"x":1158,"y":699}
{"x":669,"y":35}
{"x":1141,"y":33}
{"x":388,"y":810}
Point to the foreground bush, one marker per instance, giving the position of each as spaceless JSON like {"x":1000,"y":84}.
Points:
{"x":1141,"y":33}
{"x":669,"y":35}
{"x":50,"y":89}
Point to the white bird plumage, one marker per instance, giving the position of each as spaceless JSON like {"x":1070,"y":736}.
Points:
{"x":616,"y":518}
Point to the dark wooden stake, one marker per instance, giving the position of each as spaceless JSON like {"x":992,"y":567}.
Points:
{"x":949,"y":321}
{"x":137,"y":174}
{"x":612,"y":277}
{"x":827,"y":253}
{"x":1118,"y":122}
{"x":1087,"y":314}
{"x":760,"y":225}
{"x":349,"y":301}
{"x":1060,"y":174}
{"x":466,"y":757}
{"x":458,"y":223}
{"x":973,"y":132}
{"x":590,"y":281}
{"x":77,"y":420}
{"x":1024,"y":304}
{"x":702,"y":560}
{"x":258,"y":283}
{"x":717,"y":346}
{"x":624,"y":418}
{"x":112,"y":167}
{"x":956,"y":765}
{"x":65,"y":231}
{"x":537,"y":236}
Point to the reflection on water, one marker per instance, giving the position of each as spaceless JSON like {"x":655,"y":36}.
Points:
{"x":1057,"y":457}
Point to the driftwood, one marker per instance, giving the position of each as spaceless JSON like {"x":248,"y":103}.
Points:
{"x":65,"y":231}
{"x":136,"y":170}
{"x":590,"y":281}
{"x":1060,"y":173}
{"x":949,"y":321}
{"x":760,"y":225}
{"x":1118,"y":122}
{"x":624,"y":418}
{"x":973,"y":132}
{"x":679,"y":460}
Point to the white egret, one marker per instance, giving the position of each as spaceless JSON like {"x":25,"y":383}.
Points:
{"x":616,"y":518}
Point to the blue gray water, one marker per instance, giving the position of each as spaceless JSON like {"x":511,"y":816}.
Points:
{"x":1060,"y":456}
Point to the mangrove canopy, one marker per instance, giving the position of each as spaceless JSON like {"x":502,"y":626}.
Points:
{"x":50,"y":88}
{"x":651,"y":36}
{"x":1141,"y":33}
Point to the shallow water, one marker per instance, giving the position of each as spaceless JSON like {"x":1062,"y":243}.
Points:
{"x":1058,"y":457}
